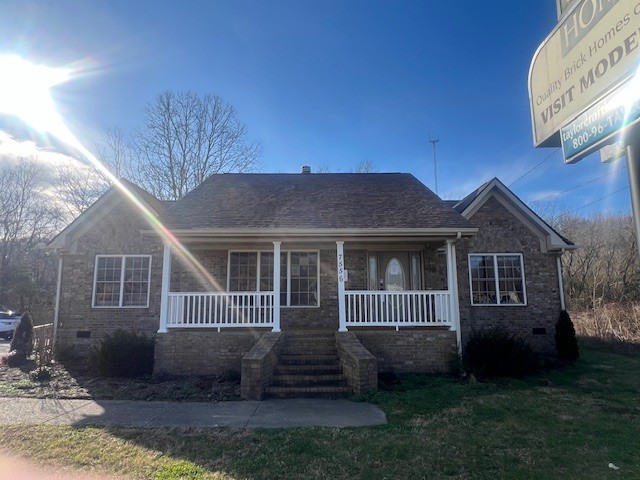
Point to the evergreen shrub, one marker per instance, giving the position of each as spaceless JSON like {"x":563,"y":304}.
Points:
{"x":123,"y":354}
{"x":566,"y":342}
{"x":22,"y":342}
{"x":494,"y":352}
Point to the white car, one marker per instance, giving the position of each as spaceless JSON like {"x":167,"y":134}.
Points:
{"x":8,"y":322}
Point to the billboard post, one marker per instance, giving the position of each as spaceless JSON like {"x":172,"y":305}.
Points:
{"x":633,"y":167}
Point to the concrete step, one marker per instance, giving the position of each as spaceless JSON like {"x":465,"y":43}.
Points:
{"x":304,"y":380}
{"x":310,"y":350}
{"x":329,"y":369}
{"x":320,"y":359}
{"x":308,"y":392}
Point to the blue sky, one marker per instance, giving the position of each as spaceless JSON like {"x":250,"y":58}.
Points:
{"x":327,"y":83}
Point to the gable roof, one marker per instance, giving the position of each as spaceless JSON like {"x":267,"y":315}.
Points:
{"x":314,"y":201}
{"x":472,"y":202}
{"x":102,"y":206}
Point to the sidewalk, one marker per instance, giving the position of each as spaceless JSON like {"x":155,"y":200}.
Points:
{"x":240,"y":414}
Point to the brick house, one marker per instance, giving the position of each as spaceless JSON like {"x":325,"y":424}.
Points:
{"x":307,"y":283}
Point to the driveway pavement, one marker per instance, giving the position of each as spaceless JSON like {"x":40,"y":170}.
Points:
{"x":240,"y":414}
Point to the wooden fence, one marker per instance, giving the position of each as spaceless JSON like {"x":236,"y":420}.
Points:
{"x":43,"y":344}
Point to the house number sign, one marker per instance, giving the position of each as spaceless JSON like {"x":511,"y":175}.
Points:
{"x":341,"y":268}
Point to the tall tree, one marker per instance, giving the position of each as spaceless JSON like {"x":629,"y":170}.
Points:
{"x":77,"y":187}
{"x":187,"y":137}
{"x":27,"y":216}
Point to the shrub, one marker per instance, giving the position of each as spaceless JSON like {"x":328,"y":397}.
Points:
{"x":22,"y":342}
{"x":42,"y":374}
{"x":566,"y":343}
{"x":494,"y":352}
{"x":123,"y":354}
{"x":13,"y":359}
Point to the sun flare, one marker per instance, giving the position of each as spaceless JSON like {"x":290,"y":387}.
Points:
{"x":25,"y":91}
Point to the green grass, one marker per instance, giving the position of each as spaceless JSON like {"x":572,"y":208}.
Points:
{"x":564,"y":424}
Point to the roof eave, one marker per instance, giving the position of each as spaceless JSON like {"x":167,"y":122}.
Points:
{"x":320,"y":232}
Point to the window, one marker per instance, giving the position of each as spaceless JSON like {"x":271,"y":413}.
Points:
{"x":497,"y":279}
{"x":299,"y":275}
{"x":303,"y":277}
{"x":122,"y":281}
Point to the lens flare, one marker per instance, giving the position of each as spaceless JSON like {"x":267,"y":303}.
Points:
{"x":25,"y":91}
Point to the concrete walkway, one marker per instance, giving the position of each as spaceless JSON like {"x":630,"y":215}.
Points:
{"x":241,"y":414}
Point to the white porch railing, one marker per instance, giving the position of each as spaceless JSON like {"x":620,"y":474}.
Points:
{"x":225,"y":309}
{"x":406,"y":308}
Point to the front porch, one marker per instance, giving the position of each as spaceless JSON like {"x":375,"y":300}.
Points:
{"x":368,"y":308}
{"x":355,"y":308}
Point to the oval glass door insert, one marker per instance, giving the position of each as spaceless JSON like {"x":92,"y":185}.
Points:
{"x":394,"y":275}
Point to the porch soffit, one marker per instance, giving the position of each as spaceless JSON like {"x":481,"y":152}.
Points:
{"x":212,"y":236}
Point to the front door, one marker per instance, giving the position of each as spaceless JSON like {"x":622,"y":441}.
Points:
{"x":394,"y":272}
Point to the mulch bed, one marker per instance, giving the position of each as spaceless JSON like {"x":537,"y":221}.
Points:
{"x":75,"y":381}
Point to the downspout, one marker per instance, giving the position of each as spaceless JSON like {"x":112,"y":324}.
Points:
{"x":56,"y":315}
{"x":560,"y":282}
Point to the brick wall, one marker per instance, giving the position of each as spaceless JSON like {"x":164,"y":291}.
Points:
{"x":183,"y":279}
{"x":325,"y":316}
{"x":410,"y":350}
{"x":501,"y":232}
{"x":203,"y":351}
{"x":116,"y":233}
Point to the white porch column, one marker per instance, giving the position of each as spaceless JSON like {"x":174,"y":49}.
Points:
{"x":164,"y":293}
{"x":56,"y":314}
{"x":342,"y":312}
{"x":452,"y":280}
{"x":452,"y":286}
{"x":276,"y":287}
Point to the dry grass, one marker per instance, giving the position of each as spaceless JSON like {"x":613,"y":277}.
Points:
{"x":614,"y":324}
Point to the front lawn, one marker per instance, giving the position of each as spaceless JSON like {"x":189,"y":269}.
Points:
{"x":564,"y":424}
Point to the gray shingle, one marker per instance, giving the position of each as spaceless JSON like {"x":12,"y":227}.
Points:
{"x":314,"y":201}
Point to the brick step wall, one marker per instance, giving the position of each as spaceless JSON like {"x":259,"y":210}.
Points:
{"x":309,"y":366}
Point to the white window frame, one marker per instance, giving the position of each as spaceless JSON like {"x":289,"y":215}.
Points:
{"x":497,"y":280}
{"x":288,"y":272}
{"x":122,"y":282}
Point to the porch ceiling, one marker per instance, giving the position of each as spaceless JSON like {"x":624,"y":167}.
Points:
{"x":373,"y":235}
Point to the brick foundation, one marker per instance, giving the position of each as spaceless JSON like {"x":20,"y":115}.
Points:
{"x":203,"y":351}
{"x":412,"y":350}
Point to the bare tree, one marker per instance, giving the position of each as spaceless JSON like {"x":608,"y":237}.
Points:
{"x":606,"y":267}
{"x":365,"y":166}
{"x":77,"y":187}
{"x":27,"y":216}
{"x":187,"y":137}
{"x":115,"y":153}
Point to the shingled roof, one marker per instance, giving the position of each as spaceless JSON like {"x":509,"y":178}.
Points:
{"x":313,"y":201}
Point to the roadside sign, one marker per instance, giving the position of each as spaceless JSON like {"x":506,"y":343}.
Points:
{"x":594,"y":47}
{"x":598,"y":125}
